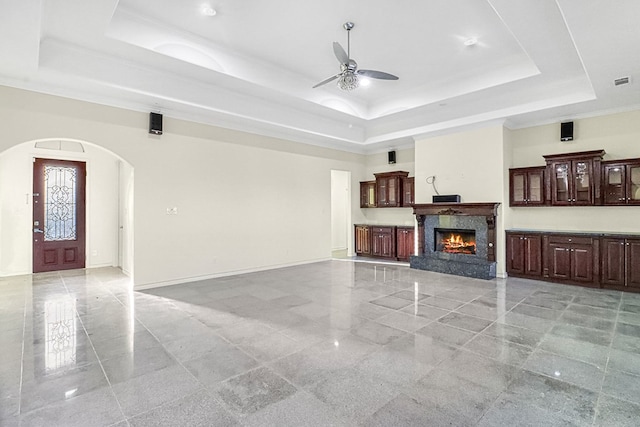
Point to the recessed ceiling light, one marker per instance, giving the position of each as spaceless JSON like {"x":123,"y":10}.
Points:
{"x":364,"y":81}
{"x":471,"y":41}
{"x":208,"y":11}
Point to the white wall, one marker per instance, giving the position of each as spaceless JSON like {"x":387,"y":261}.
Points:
{"x":617,"y":134}
{"x":469,"y":164}
{"x":16,"y":187}
{"x":340,"y":209}
{"x":125,"y":220}
{"x":244,"y":201}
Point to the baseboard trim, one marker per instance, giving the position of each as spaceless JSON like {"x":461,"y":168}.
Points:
{"x":223,"y":274}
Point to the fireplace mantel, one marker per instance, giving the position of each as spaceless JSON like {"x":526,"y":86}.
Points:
{"x":479,"y":209}
{"x":478,"y":216}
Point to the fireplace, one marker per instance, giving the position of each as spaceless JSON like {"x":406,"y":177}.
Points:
{"x":456,"y":238}
{"x":455,"y":241}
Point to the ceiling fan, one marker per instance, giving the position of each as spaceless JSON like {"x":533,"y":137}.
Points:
{"x":349,"y":73}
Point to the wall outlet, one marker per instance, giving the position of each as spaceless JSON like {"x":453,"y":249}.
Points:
{"x":172,"y":211}
{"x":94,"y":252}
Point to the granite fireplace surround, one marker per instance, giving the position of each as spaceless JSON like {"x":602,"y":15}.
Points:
{"x":479,"y":217}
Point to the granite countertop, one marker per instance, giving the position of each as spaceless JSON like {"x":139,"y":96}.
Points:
{"x":577,"y":233}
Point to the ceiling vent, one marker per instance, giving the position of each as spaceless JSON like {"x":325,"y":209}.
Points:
{"x":621,"y":81}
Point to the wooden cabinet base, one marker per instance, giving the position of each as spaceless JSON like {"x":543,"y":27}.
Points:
{"x":384,"y":241}
{"x":606,"y":261}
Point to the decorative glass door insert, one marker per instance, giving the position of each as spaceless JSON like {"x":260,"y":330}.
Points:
{"x":58,"y":215}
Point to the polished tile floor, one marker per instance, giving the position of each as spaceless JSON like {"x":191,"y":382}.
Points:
{"x":334,"y":343}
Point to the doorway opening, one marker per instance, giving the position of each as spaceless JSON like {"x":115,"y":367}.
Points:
{"x":108,"y":225}
{"x":340,"y":214}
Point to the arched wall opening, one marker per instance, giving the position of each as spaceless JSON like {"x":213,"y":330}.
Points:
{"x":109,"y":204}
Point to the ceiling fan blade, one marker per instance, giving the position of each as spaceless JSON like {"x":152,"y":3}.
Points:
{"x":340,"y":53}
{"x":377,"y":75}
{"x":325,"y":81}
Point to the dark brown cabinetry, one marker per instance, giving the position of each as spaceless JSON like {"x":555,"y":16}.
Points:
{"x":621,"y":182}
{"x":389,"y":189}
{"x":610,"y":261}
{"x":526,"y":186}
{"x":363,"y":240}
{"x":571,"y":258}
{"x":621,"y":263}
{"x":404,"y":243}
{"x":368,"y":194}
{"x":408,"y":191}
{"x":383,"y":242}
{"x":574,"y":178}
{"x":524,"y":254}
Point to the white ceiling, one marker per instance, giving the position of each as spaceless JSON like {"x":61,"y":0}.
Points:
{"x":252,"y":65}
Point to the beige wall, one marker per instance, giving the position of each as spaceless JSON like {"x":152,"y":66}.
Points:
{"x":245,"y":202}
{"x":617,"y":134}
{"x":469,"y":164}
{"x":378,"y":163}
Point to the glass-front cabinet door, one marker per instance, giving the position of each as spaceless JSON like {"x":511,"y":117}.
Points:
{"x":621,"y":182}
{"x":535,"y":187}
{"x":633,"y":183}
{"x":582,"y":189}
{"x":614,"y":177}
{"x":518,"y":182}
{"x":560,"y":182}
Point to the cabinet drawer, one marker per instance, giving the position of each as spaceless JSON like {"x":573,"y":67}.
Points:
{"x":382,"y":229}
{"x":582,"y":240}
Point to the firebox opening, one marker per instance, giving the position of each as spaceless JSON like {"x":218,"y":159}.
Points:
{"x":455,"y":241}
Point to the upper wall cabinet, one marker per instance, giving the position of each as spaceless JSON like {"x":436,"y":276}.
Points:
{"x":621,"y":182}
{"x":368,"y":194}
{"x":389,"y":188}
{"x":408,"y":191}
{"x":574,"y":178}
{"x":526,"y":186}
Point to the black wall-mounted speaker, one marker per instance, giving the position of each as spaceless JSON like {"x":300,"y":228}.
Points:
{"x":566,"y":131}
{"x":446,"y":198}
{"x":155,"y":123}
{"x":392,"y":157}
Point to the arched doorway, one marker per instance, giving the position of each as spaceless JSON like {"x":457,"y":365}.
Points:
{"x":109,"y":204}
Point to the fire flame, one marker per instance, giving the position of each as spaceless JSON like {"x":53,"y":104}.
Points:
{"x":456,"y":244}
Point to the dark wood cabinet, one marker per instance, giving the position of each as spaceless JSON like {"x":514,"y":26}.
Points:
{"x":408,"y":191}
{"x":368,"y":194}
{"x":389,"y":189}
{"x":621,"y":182}
{"x":524,"y":255}
{"x":574,"y":178}
{"x":383,"y":242}
{"x":526,"y":186}
{"x":363,"y":240}
{"x":404,"y":243}
{"x":572,"y":258}
{"x":610,"y":261}
{"x":621,"y":263}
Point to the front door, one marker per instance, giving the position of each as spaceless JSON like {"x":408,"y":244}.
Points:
{"x":58,"y":215}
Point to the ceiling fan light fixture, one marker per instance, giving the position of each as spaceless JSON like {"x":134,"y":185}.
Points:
{"x":472,"y":41}
{"x":208,"y":11}
{"x":348,"y":81}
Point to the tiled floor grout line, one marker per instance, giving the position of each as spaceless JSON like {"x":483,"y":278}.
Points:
{"x":104,"y":372}
{"x":24,"y":334}
{"x":606,"y":366}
